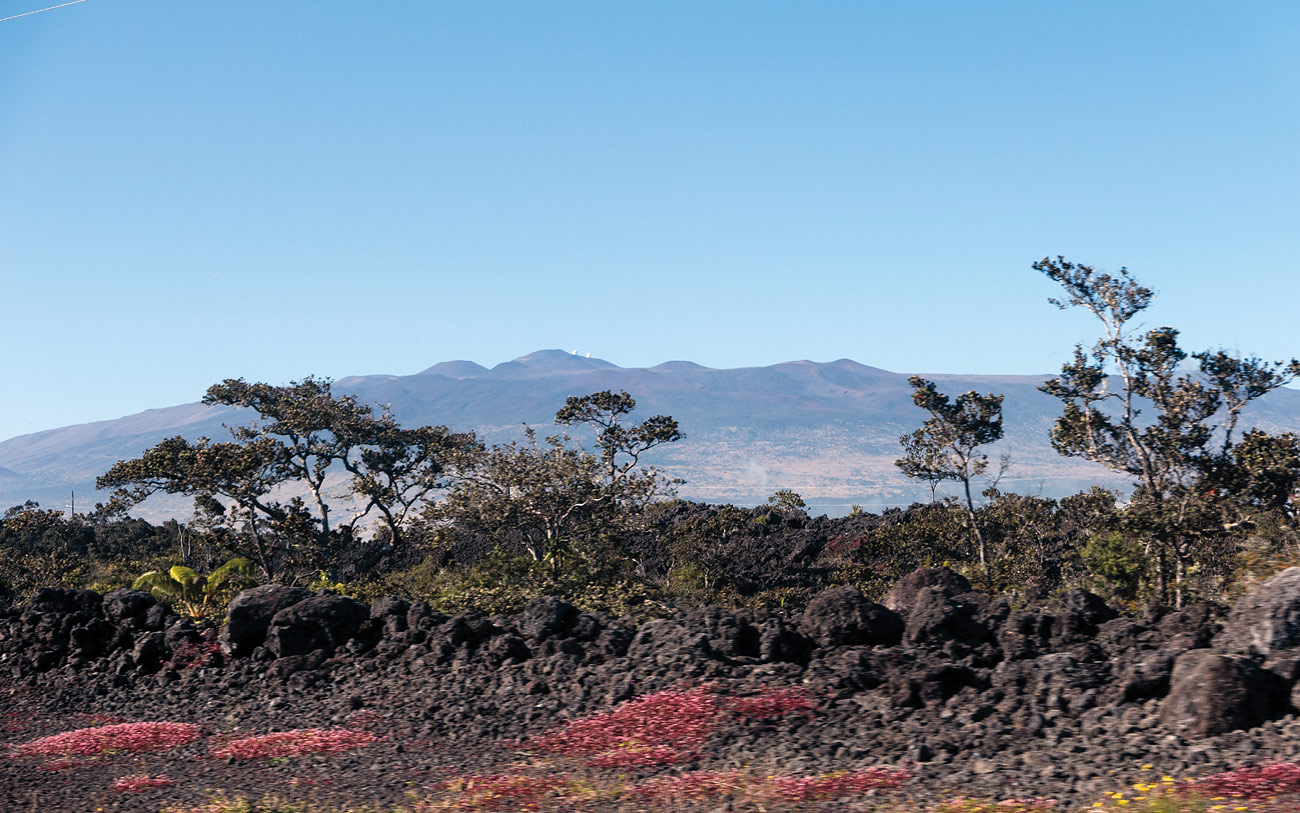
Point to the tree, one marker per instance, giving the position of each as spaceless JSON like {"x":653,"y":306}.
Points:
{"x":392,"y":468}
{"x":787,"y":501}
{"x":621,"y":446}
{"x":946,"y":447}
{"x":304,"y":435}
{"x":400,"y":470}
{"x":1194,"y":480}
{"x":243,"y":474}
{"x":555,"y":495}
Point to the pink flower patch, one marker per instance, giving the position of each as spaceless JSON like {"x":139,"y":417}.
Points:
{"x":962,"y":804}
{"x":138,"y":783}
{"x":123,"y":737}
{"x":773,"y":704}
{"x":655,"y":729}
{"x":1252,"y":784}
{"x":191,"y":655}
{"x":295,"y":743}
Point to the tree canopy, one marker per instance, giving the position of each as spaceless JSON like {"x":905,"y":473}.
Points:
{"x":303,"y":435}
{"x":946,"y":447}
{"x":1129,"y":403}
{"x":558,"y":497}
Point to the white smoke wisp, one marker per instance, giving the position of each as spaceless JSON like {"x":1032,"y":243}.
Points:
{"x":758,"y":473}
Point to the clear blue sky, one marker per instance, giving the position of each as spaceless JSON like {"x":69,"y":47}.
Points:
{"x":191,"y":191}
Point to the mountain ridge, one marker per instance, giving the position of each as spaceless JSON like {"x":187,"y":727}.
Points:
{"x":828,"y":430}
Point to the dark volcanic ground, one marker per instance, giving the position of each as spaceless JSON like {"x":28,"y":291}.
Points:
{"x":1066,"y":699}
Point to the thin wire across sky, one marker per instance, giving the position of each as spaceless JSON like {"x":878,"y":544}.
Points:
{"x":39,"y":10}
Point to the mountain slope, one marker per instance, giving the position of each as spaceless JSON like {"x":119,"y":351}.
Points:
{"x":827,"y":430}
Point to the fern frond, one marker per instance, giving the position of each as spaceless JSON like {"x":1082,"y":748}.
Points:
{"x":157,"y":582}
{"x":232,"y":572}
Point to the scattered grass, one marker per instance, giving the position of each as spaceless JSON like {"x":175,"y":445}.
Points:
{"x":297,"y":742}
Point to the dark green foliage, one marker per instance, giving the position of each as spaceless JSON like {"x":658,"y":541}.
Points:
{"x":46,"y":548}
{"x":505,"y":582}
{"x":1035,"y":542}
{"x":1116,"y":565}
{"x":946,"y":447}
{"x":1128,"y":404}
{"x":554,"y":498}
{"x":28,"y":528}
{"x":930,"y":535}
{"x":787,"y":501}
{"x":621,"y":446}
{"x":703,"y":548}
{"x":304,"y":435}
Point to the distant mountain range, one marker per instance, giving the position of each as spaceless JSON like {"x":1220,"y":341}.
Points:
{"x":826,"y":430}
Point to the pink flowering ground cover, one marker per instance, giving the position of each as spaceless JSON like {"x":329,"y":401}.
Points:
{"x":964,"y":805}
{"x":96,"y":740}
{"x":499,"y":792}
{"x":646,"y":754}
{"x":1252,"y":783}
{"x":760,"y":791}
{"x":774,"y":703}
{"x":655,"y":729}
{"x":836,"y":785}
{"x":687,"y":787}
{"x":136,"y":783}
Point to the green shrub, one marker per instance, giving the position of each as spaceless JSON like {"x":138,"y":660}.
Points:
{"x":504,"y":583}
{"x":1117,"y":565}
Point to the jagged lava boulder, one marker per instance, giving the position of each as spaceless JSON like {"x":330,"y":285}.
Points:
{"x":842,"y":616}
{"x":319,"y":622}
{"x":546,"y":617}
{"x":1211,"y":693}
{"x":61,"y":600}
{"x":903,"y":596}
{"x":1266,"y":620}
{"x":128,"y":606}
{"x":251,"y":612}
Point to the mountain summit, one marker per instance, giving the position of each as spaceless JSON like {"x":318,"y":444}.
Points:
{"x":549,"y":362}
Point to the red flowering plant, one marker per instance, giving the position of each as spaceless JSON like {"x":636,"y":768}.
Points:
{"x":500,"y":792}
{"x":1254,"y":784}
{"x":962,"y":804}
{"x":802,"y":791}
{"x":195,"y":654}
{"x":682,"y":789}
{"x":134,"y":737}
{"x":774,"y":703}
{"x":137,"y":783}
{"x":655,"y":729}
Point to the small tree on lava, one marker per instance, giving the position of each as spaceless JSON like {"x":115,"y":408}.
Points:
{"x":946,"y":447}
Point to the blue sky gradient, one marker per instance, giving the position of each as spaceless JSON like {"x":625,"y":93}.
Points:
{"x":201,"y":190}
